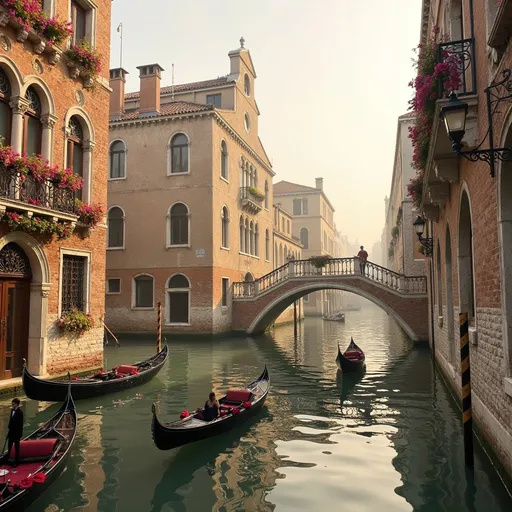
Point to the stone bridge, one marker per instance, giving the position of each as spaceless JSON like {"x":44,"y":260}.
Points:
{"x":256,"y":304}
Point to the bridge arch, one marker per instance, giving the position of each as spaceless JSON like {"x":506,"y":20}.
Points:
{"x":274,"y":308}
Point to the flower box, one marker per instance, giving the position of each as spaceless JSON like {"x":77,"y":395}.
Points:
{"x":319,"y":261}
{"x":85,"y":59}
{"x":76,"y":322}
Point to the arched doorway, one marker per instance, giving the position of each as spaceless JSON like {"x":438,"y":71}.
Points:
{"x":449,"y":296}
{"x":15,"y":277}
{"x":466,"y":280}
{"x":248,"y":278}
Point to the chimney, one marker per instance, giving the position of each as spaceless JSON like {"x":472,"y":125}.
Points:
{"x":319,"y":183}
{"x":117,"y":83}
{"x":150,"y":75}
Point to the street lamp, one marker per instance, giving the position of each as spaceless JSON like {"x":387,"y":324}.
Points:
{"x":419,"y":227}
{"x":454,"y":115}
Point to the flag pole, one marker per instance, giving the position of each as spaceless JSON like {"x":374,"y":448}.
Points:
{"x":120,"y":30}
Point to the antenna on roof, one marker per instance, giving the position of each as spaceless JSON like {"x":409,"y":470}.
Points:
{"x":172,"y":87}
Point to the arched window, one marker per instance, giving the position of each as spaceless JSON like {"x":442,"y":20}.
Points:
{"x":267,"y":245}
{"x":115,"y":228}
{"x":251,"y":238}
{"x":248,"y":278}
{"x":117,"y":167}
{"x":224,"y":160}
{"x":5,"y":109}
{"x":247,"y":238}
{"x":266,"y":194}
{"x":242,"y":234}
{"x":75,"y":150}
{"x":247,"y":85}
{"x":304,"y":237}
{"x":179,"y":154}
{"x":143,"y":291}
{"x":466,"y":281}
{"x":439,"y":282}
{"x":449,"y":295}
{"x":256,"y":240}
{"x":178,"y":233}
{"x":178,"y":300}
{"x":225,"y":227}
{"x":276,"y":259}
{"x":33,"y":129}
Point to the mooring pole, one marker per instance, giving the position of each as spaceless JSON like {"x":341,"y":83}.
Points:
{"x":159,"y":328}
{"x":465,"y":371}
{"x":295,"y":318}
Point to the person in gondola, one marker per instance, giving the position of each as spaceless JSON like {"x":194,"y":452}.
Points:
{"x":15,"y":431}
{"x":211,"y":409}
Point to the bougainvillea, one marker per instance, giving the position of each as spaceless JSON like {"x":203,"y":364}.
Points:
{"x":76,"y":321}
{"x":433,"y":81}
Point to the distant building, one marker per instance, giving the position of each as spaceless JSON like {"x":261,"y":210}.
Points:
{"x":402,"y":246}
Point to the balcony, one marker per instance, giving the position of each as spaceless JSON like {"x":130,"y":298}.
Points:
{"x":34,"y":197}
{"x":443,"y":164}
{"x":501,"y":30}
{"x":251,"y":199}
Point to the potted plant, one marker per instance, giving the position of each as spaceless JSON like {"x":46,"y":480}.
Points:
{"x":76,"y":322}
{"x":84,"y":59}
{"x":90,"y":215}
{"x":319,"y":261}
{"x":395,"y":232}
{"x":391,"y":251}
{"x":256,"y":193}
{"x":52,"y":29}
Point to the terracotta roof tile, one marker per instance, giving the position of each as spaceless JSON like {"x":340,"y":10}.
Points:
{"x":168,"y":109}
{"x":192,"y":86}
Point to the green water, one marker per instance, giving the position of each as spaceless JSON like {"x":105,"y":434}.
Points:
{"x":388,"y":441}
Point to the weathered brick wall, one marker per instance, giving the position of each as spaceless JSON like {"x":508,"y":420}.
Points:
{"x":412,"y":309}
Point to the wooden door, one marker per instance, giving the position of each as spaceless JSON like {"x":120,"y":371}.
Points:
{"x":14,"y":318}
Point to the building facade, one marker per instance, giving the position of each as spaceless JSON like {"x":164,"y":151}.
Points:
{"x":403,"y":249}
{"x":190,"y":199}
{"x":469,"y":211}
{"x":312,"y":224}
{"x":52,"y":265}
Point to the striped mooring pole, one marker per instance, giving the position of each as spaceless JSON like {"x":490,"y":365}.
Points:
{"x":465,"y":372}
{"x":159,"y":328}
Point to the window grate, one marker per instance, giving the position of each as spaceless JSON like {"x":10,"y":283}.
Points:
{"x":73,"y":280}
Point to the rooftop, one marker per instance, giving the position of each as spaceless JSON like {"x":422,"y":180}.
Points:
{"x":168,"y":109}
{"x":287,"y":187}
{"x":192,"y":86}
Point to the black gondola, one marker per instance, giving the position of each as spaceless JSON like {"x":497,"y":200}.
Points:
{"x":43,"y":456}
{"x":121,"y":378}
{"x":236,"y":407}
{"x":352,"y":360}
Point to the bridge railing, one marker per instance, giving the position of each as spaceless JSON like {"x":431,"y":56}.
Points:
{"x":333,"y":267}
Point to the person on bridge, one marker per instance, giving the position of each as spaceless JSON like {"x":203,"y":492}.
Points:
{"x":363,"y":256}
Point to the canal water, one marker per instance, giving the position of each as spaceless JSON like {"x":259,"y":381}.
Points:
{"x":388,"y":441}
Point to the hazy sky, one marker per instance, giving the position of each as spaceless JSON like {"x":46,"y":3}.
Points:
{"x":332,"y":80}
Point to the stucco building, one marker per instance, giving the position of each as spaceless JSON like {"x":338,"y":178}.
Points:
{"x":401,"y":243}
{"x":50,"y":265}
{"x":190,"y":199}
{"x":313,"y":224}
{"x":469,"y":215}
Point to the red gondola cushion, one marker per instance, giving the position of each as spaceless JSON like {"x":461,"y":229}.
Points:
{"x":127,"y":369}
{"x":39,"y":478}
{"x":36,"y":449}
{"x":247,"y":404}
{"x":238,"y":395}
{"x":353,"y":354}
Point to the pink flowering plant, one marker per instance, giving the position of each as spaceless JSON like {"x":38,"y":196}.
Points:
{"x":85,"y":58}
{"x":37,"y":225}
{"x":54,"y":30}
{"x":24,"y":12}
{"x":76,"y":322}
{"x":89,"y":214}
{"x":433,"y":81}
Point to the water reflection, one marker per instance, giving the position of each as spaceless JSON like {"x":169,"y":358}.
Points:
{"x":388,"y":439}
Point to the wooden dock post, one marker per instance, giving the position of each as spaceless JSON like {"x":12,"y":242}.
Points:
{"x":159,"y":328}
{"x":295,"y":318}
{"x":465,"y":371}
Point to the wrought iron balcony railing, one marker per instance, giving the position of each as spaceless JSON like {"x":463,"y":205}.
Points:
{"x":460,"y":54}
{"x":46,"y":194}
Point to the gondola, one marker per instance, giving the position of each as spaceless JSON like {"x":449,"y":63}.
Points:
{"x":118,"y":379}
{"x":352,"y":360}
{"x":43,"y":456}
{"x":335,"y":318}
{"x":237,"y":406}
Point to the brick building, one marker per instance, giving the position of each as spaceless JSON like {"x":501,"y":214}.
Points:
{"x":190,"y":199}
{"x":50,"y":262}
{"x":469,"y":213}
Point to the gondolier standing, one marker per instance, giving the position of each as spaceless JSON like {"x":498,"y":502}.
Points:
{"x":363,"y":256}
{"x":15,"y":430}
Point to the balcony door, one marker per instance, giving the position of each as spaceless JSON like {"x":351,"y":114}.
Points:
{"x":14,"y":310}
